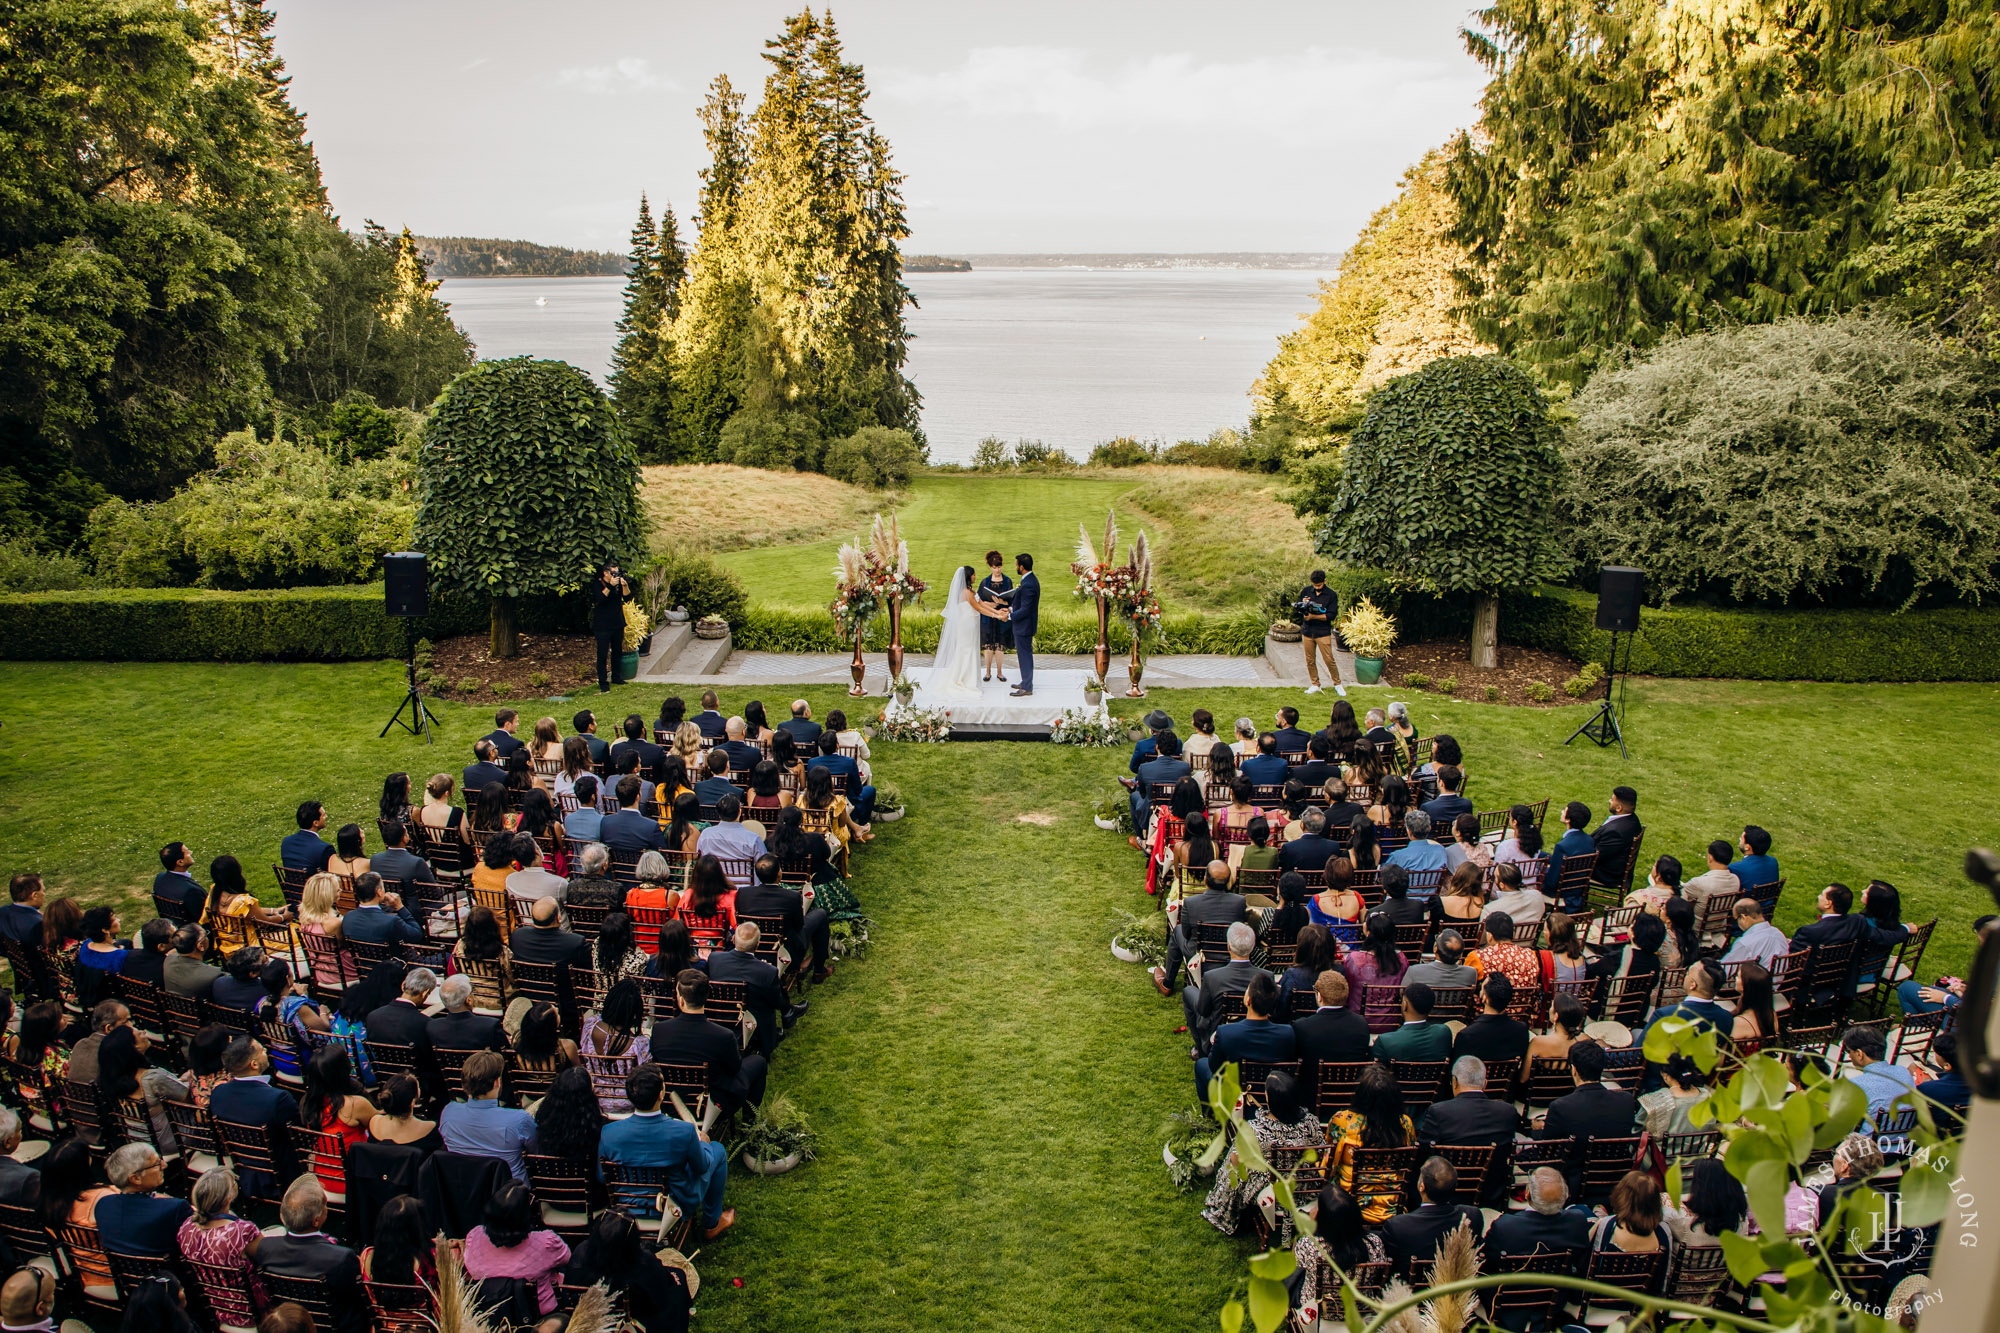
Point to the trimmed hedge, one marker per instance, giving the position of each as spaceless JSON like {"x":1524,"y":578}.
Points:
{"x":1947,"y":643}
{"x":1070,"y":630}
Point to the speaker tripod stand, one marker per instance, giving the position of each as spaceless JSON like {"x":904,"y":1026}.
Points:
{"x":413,"y":699}
{"x":1602,"y":726}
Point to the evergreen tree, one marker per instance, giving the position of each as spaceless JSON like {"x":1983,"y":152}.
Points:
{"x":423,"y":349}
{"x":706,"y":342}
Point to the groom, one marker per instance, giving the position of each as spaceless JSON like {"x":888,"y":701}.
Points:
{"x":1023,"y":604}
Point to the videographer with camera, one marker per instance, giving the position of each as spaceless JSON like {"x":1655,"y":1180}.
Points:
{"x":1316,"y":607}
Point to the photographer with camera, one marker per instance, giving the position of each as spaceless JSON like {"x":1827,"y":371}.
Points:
{"x":1316,"y":607}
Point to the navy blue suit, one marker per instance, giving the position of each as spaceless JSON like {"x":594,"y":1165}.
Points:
{"x":370,"y":924}
{"x":249,"y":1101}
{"x":1024,"y":610}
{"x":630,"y":831}
{"x":1257,"y":1039}
{"x":305,"y":850}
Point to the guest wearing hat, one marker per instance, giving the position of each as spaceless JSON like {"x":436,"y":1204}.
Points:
{"x":1157,"y":721}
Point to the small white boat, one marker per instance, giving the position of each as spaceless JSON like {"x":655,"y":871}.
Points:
{"x":541,"y":300}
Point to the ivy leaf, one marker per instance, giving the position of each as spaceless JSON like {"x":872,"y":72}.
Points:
{"x":1765,"y":1185}
{"x":1673,"y":1183}
{"x":1232,"y":1316}
{"x":1926,"y":1186}
{"x":1798,"y":1122}
{"x":1745,"y":1258}
{"x":1277,"y":1265}
{"x":1269,"y":1304}
{"x":1846,"y":1104}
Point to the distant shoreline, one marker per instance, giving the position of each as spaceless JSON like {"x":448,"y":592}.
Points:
{"x":1130,"y":263}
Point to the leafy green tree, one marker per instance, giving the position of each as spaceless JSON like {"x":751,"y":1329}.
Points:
{"x":1642,"y":169}
{"x":526,"y":486}
{"x":1941,"y":259}
{"x":150,"y":251}
{"x":1445,"y":484}
{"x":706,"y":341}
{"x":876,"y":457}
{"x":641,"y":377}
{"x":1846,"y":461}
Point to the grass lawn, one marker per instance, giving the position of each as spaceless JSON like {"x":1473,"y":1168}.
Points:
{"x":1221,"y":537}
{"x":988,"y":1081}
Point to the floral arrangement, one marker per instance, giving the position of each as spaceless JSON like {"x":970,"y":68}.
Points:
{"x":1369,"y":631}
{"x":902,"y":684}
{"x":926,"y":725}
{"x":1128,"y":587}
{"x":1078,"y":727}
{"x":869,"y":577}
{"x":637,"y":626}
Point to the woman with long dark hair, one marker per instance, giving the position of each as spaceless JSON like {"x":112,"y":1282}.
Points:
{"x":756,"y":727}
{"x":785,"y":754}
{"x":62,"y":919}
{"x":489,"y":808}
{"x":69,"y":1198}
{"x":1756,"y":1010}
{"x":617,"y":953}
{"x":656,"y":1295}
{"x":766,"y":791}
{"x":1678,"y":913}
{"x":483,"y":956}
{"x":1342,"y":730}
{"x":229,"y":905}
{"x":403,"y":1254}
{"x":1882,"y":907}
{"x":100,"y":948}
{"x":1392,"y":802}
{"x":1195,"y":849}
{"x":1316,"y":953}
{"x":1461,"y":904}
{"x":1342,"y":1237}
{"x":820,"y":799}
{"x":395,"y":804}
{"x":1377,"y":962}
{"x":122,"y":1073}
{"x":350,"y":852}
{"x":675,"y":951}
{"x":520,"y":774}
{"x":575,"y":763}
{"x":794,"y":845}
{"x":1375,"y":1119}
{"x":1523,"y":842}
{"x":673,"y":712}
{"x":1364,"y":847}
{"x":539,"y":1046}
{"x":1293,"y":912}
{"x":1283,"y":1121}
{"x":1711,"y":1203}
{"x":1366,"y":767}
{"x":709,"y":894}
{"x":512,"y":1242}
{"x":613,"y":1032}
{"x":569,"y":1120}
{"x":683,"y":830}
{"x":158,"y":1305}
{"x":333,"y":1099}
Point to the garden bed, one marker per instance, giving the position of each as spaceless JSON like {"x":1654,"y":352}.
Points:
{"x":549,"y":664}
{"x":1519,"y":669}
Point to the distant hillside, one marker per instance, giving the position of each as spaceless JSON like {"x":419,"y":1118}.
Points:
{"x":934,"y":264}
{"x":1288,"y":259}
{"x":479,"y":257}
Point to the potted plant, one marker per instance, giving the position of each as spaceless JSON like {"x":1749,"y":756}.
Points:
{"x":1189,"y":1134}
{"x":1370,"y":632}
{"x":1140,"y":939}
{"x":710,"y":627}
{"x":1093,"y":691}
{"x":1114,"y":813}
{"x":637,"y":631}
{"x":778,"y":1138}
{"x":888,"y":802}
{"x":1285,"y":631}
{"x":654,"y":590}
{"x":902,"y":687}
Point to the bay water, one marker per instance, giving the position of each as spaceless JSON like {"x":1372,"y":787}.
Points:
{"x":1067,"y":356}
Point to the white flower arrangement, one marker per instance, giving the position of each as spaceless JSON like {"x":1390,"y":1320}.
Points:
{"x":1077,"y":726}
{"x":925,"y":725}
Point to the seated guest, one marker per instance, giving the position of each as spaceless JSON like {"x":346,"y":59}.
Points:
{"x":212,"y":1233}
{"x":1340,"y":1240}
{"x":101,"y":950}
{"x":1338,"y":902}
{"x":378,"y":916}
{"x":1836,"y":924}
{"x":1663,"y":883}
{"x":1418,"y":1038}
{"x":710,"y":720}
{"x":1545,"y":1226}
{"x":248,"y":1098}
{"x":1521,"y":964}
{"x":641,"y":752}
{"x":505,"y":723}
{"x":1256,"y":1036}
{"x":1715,"y":879}
{"x":241,"y":987}
{"x":28,"y":1299}
{"x":1567,"y":1020}
{"x":137,"y":1219}
{"x":652,"y":1294}
{"x":1215,"y":905}
{"x":1420,"y":853}
{"x":1290,"y":739}
{"x":1315,"y":771}
{"x":21,"y":1184}
{"x":1574,"y":842}
{"x":230,"y":904}
{"x":697,"y":1168}
{"x":183,"y":972}
{"x":1465,"y":845}
{"x":1711,"y":1203}
{"x":1461,"y":903}
{"x":1449,"y":804}
{"x":1864,"y":1052}
{"x":1595,"y":1110}
{"x":1493,"y":1036}
{"x":655,"y":891}
{"x":458,"y":1028}
{"x":1669,"y":1108}
{"x":590,"y":883}
{"x":586,"y":822}
{"x":483,"y":958}
{"x":1313,"y":953}
{"x":1374,"y":1120}
{"x":1284,"y":1120}
{"x":627,"y":830}
{"x":399,"y":1121}
{"x":1523,"y":901}
{"x":305,"y":1251}
{"x":1446,"y":971}
{"x":766,"y":897}
{"x":1417,"y":1235}
{"x":763,"y":989}
{"x":1471,"y":1117}
{"x":728,"y":839}
{"x":148,"y":960}
{"x":585,"y":725}
{"x":402,"y":1021}
{"x":176,"y":883}
{"x":615,"y":1032}
{"x":743,"y":756}
{"x":804,"y":730}
{"x":1948,"y":1092}
{"x":1202,"y":1006}
{"x":1162,"y":768}
{"x":1312,"y":849}
{"x":1635,"y":1225}
{"x":716,"y":784}
{"x":1397,"y":905}
{"x":396,"y":863}
{"x":305,"y":849}
{"x":1639,"y":957}
{"x":480,"y":1126}
{"x":1699,"y":1004}
{"x":1917,"y":998}
{"x":1332,"y":1033}
{"x":1613,"y":840}
{"x":1267,"y":767}
{"x":689,"y":1038}
{"x":512,"y":1243}
{"x":544,"y":939}
{"x":1757,"y":866}
{"x":1376,"y":961}
{"x":533,"y":879}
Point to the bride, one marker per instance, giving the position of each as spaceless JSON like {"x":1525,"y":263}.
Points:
{"x":955,"y":673}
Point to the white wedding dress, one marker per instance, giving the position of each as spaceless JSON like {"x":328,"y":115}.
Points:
{"x":954,"y":676}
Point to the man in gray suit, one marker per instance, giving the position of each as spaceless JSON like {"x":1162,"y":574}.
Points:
{"x":1215,"y":905}
{"x":1203,"y":1007}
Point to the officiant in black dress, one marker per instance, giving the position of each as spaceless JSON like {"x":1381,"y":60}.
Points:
{"x":995,"y":636}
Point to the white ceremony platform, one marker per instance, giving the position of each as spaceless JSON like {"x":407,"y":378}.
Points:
{"x":999,"y":714}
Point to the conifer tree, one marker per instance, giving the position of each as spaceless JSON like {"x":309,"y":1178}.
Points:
{"x":706,"y":351}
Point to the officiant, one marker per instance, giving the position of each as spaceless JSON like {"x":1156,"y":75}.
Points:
{"x":995,"y":636}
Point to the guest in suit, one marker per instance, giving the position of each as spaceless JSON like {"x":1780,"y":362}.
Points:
{"x":1493,"y":1036}
{"x":689,"y":1038}
{"x":21,"y":1184}
{"x":1332,"y":1033}
{"x":743,"y":756}
{"x":458,"y":1028}
{"x":1216,"y":905}
{"x":763,"y":989}
{"x":766,"y":897}
{"x":1471,"y":1117}
{"x":396,"y":863}
{"x":1254,"y":1037}
{"x":183,"y":972}
{"x":1164,"y":767}
{"x":1202,"y":1006}
{"x":805,"y":731}
{"x":585,"y":723}
{"x":378,"y":917}
{"x":306,"y":1251}
{"x":147,"y":962}
{"x":1312,"y":850}
{"x":1449,"y":805}
{"x":1835,"y":925}
{"x":1266,"y":768}
{"x":1147,"y":746}
{"x":546,"y":940}
{"x":1574,"y":842}
{"x":1416,"y":1235}
{"x":1289,"y":738}
{"x":249,"y":1098}
{"x":1613,"y":839}
{"x":697,"y":1169}
{"x":635,"y":743}
{"x":176,"y":883}
{"x":710,"y":720}
{"x":402,"y":1021}
{"x":483,"y":769}
{"x":1546,"y":1226}
{"x":1595,"y":1110}
{"x":21,"y":918}
{"x":1756,"y":866}
{"x":1418,"y":1038}
{"x":305,"y":849}
{"x":627,"y":830}
{"x":505,"y":723}
{"x":715,"y":783}
{"x":240,"y":986}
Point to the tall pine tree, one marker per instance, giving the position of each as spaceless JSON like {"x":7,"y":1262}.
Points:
{"x":706,"y":342}
{"x":641,"y":377}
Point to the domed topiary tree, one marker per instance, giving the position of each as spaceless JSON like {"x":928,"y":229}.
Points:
{"x":527,"y":486}
{"x":1449,"y":485}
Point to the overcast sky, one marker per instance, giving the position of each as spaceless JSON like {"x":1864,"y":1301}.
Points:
{"x":1032,"y":125}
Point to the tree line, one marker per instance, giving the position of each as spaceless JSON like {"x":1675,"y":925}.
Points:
{"x":479,"y":257}
{"x":776,"y":337}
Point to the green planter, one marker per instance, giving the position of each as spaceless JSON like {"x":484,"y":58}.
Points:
{"x":628,"y":665}
{"x":1367,"y":670}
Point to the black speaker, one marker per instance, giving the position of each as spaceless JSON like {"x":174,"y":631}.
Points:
{"x":404,"y":585}
{"x":1619,"y":592}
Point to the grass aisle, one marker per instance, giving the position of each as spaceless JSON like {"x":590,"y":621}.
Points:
{"x":988,"y":1084}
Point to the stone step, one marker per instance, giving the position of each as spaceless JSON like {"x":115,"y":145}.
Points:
{"x":701,"y":657}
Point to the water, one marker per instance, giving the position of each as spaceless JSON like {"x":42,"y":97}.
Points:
{"x":1066,"y":356}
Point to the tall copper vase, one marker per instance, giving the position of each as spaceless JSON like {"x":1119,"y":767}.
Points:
{"x":857,"y":667}
{"x":895,"y":638}
{"x":1102,"y":653}
{"x":1137,"y":668}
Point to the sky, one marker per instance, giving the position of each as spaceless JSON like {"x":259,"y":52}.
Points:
{"x":1031,"y":125}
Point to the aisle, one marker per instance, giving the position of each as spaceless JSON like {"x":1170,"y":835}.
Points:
{"x":988,"y":1085}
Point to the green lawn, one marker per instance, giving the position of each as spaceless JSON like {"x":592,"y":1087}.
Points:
{"x":988,"y":1081}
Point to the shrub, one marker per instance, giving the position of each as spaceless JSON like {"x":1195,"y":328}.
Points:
{"x":24,"y":568}
{"x":703,"y":586}
{"x":585,"y":671}
{"x":438,"y":685}
{"x":497,"y":688}
{"x":776,"y":440}
{"x":539,"y":679}
{"x":1226,"y":448}
{"x":1493,"y":694}
{"x":1124,"y":452}
{"x":1035,"y":454}
{"x":1541,"y":692}
{"x":1447,"y":685}
{"x":990,"y":455}
{"x":1417,"y":680}
{"x":357,"y":429}
{"x":1844,"y":461}
{"x":470,"y":684}
{"x":1583,"y":681}
{"x":876,"y":457}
